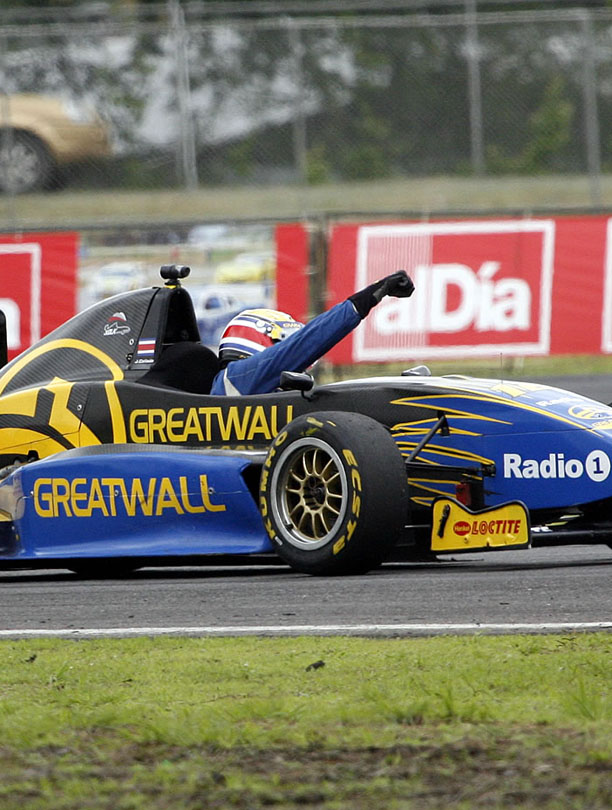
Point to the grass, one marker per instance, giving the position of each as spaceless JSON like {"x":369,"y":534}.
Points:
{"x":508,"y":368}
{"x":423,"y":195}
{"x":512,"y":722}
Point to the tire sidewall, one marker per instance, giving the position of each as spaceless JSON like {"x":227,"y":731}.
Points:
{"x":374,"y":486}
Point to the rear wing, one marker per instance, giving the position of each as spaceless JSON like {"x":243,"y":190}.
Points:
{"x":3,"y":340}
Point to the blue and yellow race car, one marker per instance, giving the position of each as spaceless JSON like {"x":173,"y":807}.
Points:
{"x":114,"y":456}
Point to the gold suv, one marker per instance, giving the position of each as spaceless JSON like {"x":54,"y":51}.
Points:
{"x":39,"y":135}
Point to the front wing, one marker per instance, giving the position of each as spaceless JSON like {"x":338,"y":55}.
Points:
{"x":115,"y":501}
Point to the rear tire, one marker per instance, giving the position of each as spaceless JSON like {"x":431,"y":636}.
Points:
{"x":333,"y":493}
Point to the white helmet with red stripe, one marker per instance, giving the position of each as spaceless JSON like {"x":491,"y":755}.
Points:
{"x":252,"y":331}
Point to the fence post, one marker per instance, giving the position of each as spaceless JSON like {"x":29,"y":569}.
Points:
{"x":591,"y":113}
{"x":3,"y":340}
{"x":474,"y":87}
{"x":299,"y":120}
{"x":6,"y":139}
{"x":187,"y":149}
{"x":318,"y":233}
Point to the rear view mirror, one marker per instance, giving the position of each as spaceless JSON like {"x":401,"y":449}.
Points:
{"x":296,"y":381}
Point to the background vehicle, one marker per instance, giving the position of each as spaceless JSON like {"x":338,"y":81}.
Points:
{"x":216,"y":304}
{"x":246,"y":267}
{"x":40,"y":135}
{"x":111,"y":279}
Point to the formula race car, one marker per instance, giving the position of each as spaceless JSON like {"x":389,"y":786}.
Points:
{"x":114,"y":455}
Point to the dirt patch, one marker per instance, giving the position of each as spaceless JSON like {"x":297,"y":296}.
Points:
{"x":529,"y":770}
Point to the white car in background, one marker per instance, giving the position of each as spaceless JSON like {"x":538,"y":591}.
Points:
{"x":111,"y":279}
{"x":234,"y":236}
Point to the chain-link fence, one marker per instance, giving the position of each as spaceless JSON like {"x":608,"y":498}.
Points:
{"x":173,"y":100}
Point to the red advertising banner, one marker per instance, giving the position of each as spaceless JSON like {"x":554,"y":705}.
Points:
{"x":38,"y":285}
{"x":483,"y":287}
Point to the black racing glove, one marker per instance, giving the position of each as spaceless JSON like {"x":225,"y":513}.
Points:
{"x":398,"y":284}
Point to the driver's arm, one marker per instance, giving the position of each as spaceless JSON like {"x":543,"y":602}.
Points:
{"x":260,"y":373}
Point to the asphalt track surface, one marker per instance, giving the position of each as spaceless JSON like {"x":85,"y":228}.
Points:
{"x":540,"y":589}
{"x":564,"y":589}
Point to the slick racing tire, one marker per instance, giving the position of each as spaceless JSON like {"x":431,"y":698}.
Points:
{"x":333,"y":493}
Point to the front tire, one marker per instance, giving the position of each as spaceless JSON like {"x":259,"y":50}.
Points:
{"x":333,"y":493}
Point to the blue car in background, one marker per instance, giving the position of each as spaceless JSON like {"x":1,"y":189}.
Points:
{"x":215,"y":306}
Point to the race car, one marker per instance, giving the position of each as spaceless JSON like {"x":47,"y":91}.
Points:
{"x":114,"y":456}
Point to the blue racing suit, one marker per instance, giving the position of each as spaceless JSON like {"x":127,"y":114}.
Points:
{"x":260,"y":373}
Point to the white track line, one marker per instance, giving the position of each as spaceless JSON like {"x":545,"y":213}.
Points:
{"x":388,"y":630}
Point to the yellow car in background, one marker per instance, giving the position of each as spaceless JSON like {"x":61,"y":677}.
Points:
{"x":39,"y":135}
{"x":247,"y":267}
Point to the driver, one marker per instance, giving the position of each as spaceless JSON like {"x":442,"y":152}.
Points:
{"x":258,"y":344}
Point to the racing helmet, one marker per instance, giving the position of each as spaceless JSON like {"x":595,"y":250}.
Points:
{"x":252,"y":331}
